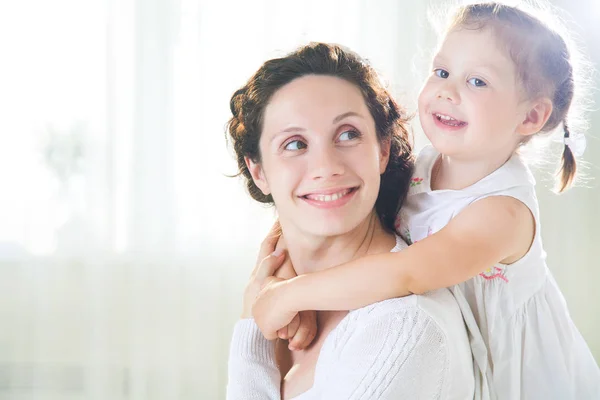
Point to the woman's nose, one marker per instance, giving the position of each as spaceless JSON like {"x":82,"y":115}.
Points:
{"x":327,"y":162}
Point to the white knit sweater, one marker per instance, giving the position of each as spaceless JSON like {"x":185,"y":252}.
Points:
{"x":414,"y":347}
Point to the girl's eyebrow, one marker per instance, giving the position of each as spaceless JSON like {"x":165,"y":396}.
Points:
{"x":491,"y":68}
{"x":438,"y":59}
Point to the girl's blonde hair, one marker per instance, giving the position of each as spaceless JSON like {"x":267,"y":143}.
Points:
{"x":543,"y":62}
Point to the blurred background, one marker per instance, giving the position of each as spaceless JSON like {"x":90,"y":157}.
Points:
{"x":124,"y":248}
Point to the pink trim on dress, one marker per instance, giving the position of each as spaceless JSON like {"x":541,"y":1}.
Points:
{"x":493,"y":274}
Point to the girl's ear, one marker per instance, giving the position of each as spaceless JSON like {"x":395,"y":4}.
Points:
{"x":536,"y":117}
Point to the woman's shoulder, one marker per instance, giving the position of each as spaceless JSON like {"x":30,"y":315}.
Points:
{"x":402,"y":321}
{"x":408,"y":338}
{"x":441,"y":308}
{"x":437,"y":308}
{"x":436,"y":312}
{"x":438,"y":305}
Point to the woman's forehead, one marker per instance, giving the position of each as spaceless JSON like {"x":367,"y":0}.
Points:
{"x":314,"y":97}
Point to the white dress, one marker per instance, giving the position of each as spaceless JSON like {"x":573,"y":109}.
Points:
{"x":410,"y":348}
{"x":524,"y":343}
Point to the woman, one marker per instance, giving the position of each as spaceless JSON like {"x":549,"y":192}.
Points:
{"x":317,"y":135}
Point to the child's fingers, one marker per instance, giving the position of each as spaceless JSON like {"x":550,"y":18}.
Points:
{"x":269,"y":265}
{"x":289,"y":330}
{"x":269,"y":244}
{"x":282,"y":333}
{"x":286,"y":271}
{"x":292,"y":327}
{"x":306,"y":332}
{"x":276,"y":229}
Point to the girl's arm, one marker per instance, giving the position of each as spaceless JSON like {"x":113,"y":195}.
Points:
{"x":492,"y":230}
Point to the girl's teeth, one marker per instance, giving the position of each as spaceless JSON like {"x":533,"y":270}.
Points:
{"x":449,"y":120}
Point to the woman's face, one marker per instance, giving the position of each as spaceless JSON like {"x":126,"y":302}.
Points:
{"x":321,"y":159}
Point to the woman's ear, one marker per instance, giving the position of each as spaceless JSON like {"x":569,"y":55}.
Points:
{"x":384,"y":155}
{"x":536,"y":117}
{"x":258,"y":176}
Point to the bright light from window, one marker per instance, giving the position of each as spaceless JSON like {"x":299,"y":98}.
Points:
{"x":52,"y":77}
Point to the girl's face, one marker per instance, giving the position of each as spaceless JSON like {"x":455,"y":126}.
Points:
{"x":320,"y":156}
{"x":471,"y":106}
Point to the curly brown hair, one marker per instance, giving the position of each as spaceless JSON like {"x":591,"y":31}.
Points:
{"x":249,"y":102}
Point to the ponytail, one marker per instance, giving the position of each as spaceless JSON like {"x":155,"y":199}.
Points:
{"x":568,"y":167}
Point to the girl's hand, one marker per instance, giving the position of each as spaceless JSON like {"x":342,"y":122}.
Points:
{"x":270,"y":312}
{"x":303,"y":328}
{"x":269,"y":261}
{"x":301,"y":331}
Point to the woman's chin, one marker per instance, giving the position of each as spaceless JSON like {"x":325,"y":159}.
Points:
{"x":333,"y":226}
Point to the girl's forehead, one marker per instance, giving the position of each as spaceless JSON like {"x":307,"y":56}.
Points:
{"x":475,"y":46}
{"x":480,"y":39}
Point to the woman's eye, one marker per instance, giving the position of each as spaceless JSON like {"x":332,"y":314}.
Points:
{"x":477,"y":82}
{"x":441,"y":73}
{"x":295,"y":145}
{"x":349,"y":135}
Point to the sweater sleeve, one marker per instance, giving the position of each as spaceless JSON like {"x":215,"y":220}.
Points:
{"x":252,"y":371}
{"x":398,"y":355}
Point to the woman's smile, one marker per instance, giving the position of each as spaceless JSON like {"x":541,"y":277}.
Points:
{"x":331,"y":198}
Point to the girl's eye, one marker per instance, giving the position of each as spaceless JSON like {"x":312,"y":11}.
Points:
{"x":349,"y":135}
{"x":295,"y":145}
{"x":441,"y":73}
{"x":477,"y":82}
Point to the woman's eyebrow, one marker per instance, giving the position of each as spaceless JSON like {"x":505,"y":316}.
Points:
{"x":295,"y":129}
{"x":345,"y":115}
{"x":291,"y":129}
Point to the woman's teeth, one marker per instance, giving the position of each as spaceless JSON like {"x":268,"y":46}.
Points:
{"x":328,"y":197}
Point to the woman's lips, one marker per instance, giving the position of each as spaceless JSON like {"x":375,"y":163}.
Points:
{"x":330,"y":198}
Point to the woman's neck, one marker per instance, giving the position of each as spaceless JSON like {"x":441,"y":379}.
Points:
{"x":314,"y":253}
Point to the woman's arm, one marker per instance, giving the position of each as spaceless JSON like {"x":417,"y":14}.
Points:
{"x":252,"y":371}
{"x":492,"y":230}
{"x":252,"y":368}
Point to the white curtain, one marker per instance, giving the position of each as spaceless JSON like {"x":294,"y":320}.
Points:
{"x":124,"y":248}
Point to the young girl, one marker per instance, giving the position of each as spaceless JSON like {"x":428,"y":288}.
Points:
{"x":500,"y":77}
